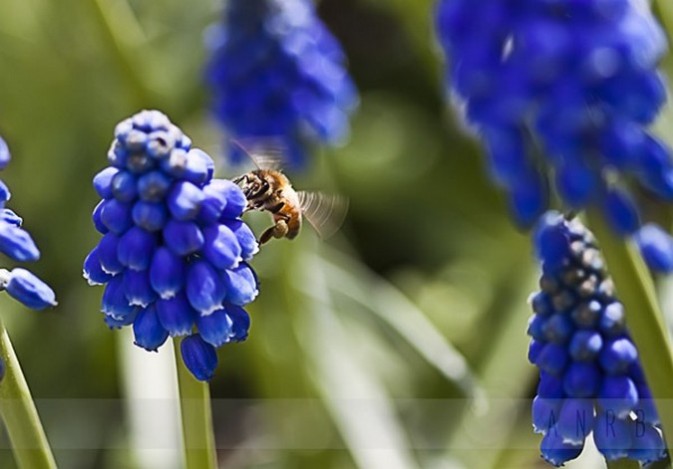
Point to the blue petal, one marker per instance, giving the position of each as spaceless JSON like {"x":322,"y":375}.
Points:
{"x":621,"y":212}
{"x":555,"y":451}
{"x":576,"y":420}
{"x":137,"y":287}
{"x":184,"y":200}
{"x":116,"y":216}
{"x":619,"y":395}
{"x":656,"y":247}
{"x":528,"y":199}
{"x":10,"y":217}
{"x":117,"y":154}
{"x":582,"y":380}
{"x":5,"y":193}
{"x":550,"y":386}
{"x":114,"y":323}
{"x":240,"y":322}
{"x":167,"y":273}
{"x":215,"y":328}
{"x":204,"y":287}
{"x":246,"y":238}
{"x":545,"y":413}
{"x":613,"y":436}
{"x":136,"y":248}
{"x":216,"y":195}
{"x":25,"y":287}
{"x":148,"y":331}
{"x":176,"y":163}
{"x":124,"y":186}
{"x":613,"y":320}
{"x":176,"y":315}
{"x":102,"y":182}
{"x":534,"y":349}
{"x":153,"y":186}
{"x":618,"y":355}
{"x":199,"y":356}
{"x":5,"y":156}
{"x":107,"y":253}
{"x":151,"y":216}
{"x":232,"y":196}
{"x":17,"y":243}
{"x":197,"y":167}
{"x":183,"y":237}
{"x":93,"y":271}
{"x":241,"y":285}
{"x":648,"y":445}
{"x":577,"y":183}
{"x":96,"y":217}
{"x":160,"y":144}
{"x":114,"y":302}
{"x":553,"y":358}
{"x":221,"y":247}
{"x":585,"y":345}
{"x":200,"y":166}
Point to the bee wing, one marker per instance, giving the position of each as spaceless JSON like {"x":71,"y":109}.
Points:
{"x":265,"y":152}
{"x":325,"y":212}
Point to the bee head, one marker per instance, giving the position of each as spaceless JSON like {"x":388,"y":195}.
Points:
{"x":253,"y":184}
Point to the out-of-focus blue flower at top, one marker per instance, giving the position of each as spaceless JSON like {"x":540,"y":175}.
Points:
{"x":591,"y":380}
{"x":18,"y":245}
{"x":277,"y":72}
{"x":172,"y":243}
{"x":562,"y":89}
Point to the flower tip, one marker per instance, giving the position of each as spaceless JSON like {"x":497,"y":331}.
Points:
{"x":5,"y":156}
{"x":26,"y":288}
{"x":199,"y":357}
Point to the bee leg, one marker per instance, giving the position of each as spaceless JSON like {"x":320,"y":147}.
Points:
{"x":276,"y":208}
{"x":279,"y":230}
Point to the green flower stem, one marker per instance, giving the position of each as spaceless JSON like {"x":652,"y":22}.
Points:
{"x":29,"y":442}
{"x":197,"y":417}
{"x":623,"y":464}
{"x":635,"y":289}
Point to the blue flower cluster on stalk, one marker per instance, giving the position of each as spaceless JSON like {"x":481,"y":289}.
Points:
{"x":591,"y":379}
{"x":277,"y":72}
{"x":173,"y":256}
{"x":16,"y":243}
{"x":564,"y":89}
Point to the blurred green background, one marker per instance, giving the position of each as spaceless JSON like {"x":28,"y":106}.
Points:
{"x":400,"y":343}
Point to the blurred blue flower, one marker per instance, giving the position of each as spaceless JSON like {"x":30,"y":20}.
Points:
{"x":277,"y":72}
{"x":591,"y":380}
{"x":18,"y":245}
{"x":575,"y":82}
{"x":164,"y":271}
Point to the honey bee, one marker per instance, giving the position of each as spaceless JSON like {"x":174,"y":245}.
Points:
{"x":267,"y":189}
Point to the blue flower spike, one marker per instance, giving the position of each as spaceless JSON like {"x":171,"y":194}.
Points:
{"x":564,"y":91}
{"x":17,"y":244}
{"x":165,"y":275}
{"x":590,"y":376}
{"x":277,"y":72}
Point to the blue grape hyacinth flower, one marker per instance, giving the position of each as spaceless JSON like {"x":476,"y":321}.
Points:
{"x":174,"y":252}
{"x":591,"y":380}
{"x":277,"y":72}
{"x":18,"y":245}
{"x":564,"y":90}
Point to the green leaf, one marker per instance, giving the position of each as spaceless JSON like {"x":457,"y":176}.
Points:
{"x":635,"y":290}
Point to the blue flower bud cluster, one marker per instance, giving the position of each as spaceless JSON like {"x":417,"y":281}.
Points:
{"x":277,"y":72}
{"x":591,"y":379}
{"x":18,"y":245}
{"x":173,"y":256}
{"x":564,"y":89}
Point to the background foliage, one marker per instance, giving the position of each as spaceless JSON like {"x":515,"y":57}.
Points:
{"x":372,"y":350}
